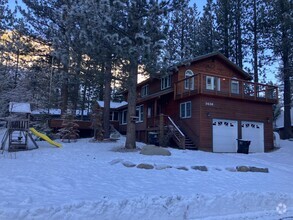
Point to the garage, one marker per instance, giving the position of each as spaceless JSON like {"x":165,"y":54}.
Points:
{"x":225,"y":134}
{"x":254,"y":132}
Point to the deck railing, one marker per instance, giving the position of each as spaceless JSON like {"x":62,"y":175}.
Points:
{"x":226,"y":87}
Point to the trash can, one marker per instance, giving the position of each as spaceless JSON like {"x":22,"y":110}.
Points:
{"x":243,"y":146}
{"x":153,"y":138}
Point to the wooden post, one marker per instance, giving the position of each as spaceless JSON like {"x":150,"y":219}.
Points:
{"x":161,"y":127}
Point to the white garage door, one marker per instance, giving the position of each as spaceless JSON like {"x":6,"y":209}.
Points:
{"x":254,"y":132}
{"x":225,"y":134}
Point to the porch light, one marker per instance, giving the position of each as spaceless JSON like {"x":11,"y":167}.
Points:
{"x":208,"y":114}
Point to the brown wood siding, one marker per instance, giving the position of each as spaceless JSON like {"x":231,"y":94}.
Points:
{"x":217,"y":108}
{"x":212,"y":66}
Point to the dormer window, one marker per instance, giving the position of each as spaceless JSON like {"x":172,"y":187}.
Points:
{"x":165,"y":82}
{"x":144,"y":90}
{"x":189,"y":83}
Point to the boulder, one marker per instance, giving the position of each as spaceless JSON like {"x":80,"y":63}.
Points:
{"x":242,"y":169}
{"x":128,"y":164}
{"x":201,"y":168}
{"x":115,"y":161}
{"x":257,"y":169}
{"x":162,"y":167}
{"x":145,"y":166}
{"x":154,"y":150}
{"x":182,"y":168}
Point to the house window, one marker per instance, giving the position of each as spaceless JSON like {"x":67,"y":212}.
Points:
{"x":235,"y":87}
{"x":124,"y":117}
{"x":185,"y":110}
{"x":113,"y":116}
{"x":165,"y":82}
{"x":189,"y":83}
{"x":144,"y":90}
{"x":213,"y":83}
{"x":139,"y":113}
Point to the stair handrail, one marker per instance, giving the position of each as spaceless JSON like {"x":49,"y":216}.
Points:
{"x":177,"y":128}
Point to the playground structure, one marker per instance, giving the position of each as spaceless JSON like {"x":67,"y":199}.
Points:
{"x":18,"y":132}
{"x":17,"y":135}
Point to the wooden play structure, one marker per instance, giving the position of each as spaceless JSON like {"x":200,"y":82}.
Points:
{"x":18,"y":132}
{"x":16,"y":136}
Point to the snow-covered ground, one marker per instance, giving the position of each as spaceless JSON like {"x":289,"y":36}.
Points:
{"x":86,"y":180}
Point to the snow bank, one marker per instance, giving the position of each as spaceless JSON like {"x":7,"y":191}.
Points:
{"x":227,"y":206}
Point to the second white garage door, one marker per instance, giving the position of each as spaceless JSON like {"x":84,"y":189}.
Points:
{"x":225,"y":133}
{"x":254,"y":132}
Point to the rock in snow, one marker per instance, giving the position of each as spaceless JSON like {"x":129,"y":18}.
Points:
{"x":154,"y":150}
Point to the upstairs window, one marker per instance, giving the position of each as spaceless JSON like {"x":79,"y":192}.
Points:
{"x":189,"y":83}
{"x":139,"y":113}
{"x":235,"y":87}
{"x":165,"y":82}
{"x":185,"y":110}
{"x":144,"y":90}
{"x":213,"y":83}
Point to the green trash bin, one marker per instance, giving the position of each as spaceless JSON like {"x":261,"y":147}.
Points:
{"x":243,"y":146}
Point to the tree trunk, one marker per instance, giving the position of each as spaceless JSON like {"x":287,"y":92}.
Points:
{"x":287,"y":100}
{"x":255,"y":43}
{"x":131,"y":122}
{"x":64,"y":93}
{"x":107,"y":98}
{"x":285,"y":41}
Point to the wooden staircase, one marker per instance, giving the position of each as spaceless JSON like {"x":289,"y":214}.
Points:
{"x":181,"y":139}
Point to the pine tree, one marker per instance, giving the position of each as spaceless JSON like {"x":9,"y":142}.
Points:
{"x":69,"y":128}
{"x":207,"y":31}
{"x":97,"y":122}
{"x":182,"y":41}
{"x":142,"y":36}
{"x":281,"y":15}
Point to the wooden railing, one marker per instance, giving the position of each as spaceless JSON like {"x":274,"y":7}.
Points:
{"x":178,"y":135}
{"x":17,"y":124}
{"x":226,"y":87}
{"x":163,"y":123}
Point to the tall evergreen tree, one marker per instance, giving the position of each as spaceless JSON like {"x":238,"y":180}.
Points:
{"x":256,"y":36}
{"x":141,"y":40}
{"x":182,"y":41}
{"x":207,"y":30}
{"x":282,"y":42}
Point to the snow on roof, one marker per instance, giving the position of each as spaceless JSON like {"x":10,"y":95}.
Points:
{"x":280,"y":120}
{"x":52,"y":111}
{"x":113,"y":105}
{"x":19,"y":107}
{"x":55,"y":111}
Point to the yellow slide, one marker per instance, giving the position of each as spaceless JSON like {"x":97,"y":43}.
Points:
{"x":44,"y":137}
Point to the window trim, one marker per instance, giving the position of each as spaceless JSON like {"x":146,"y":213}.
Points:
{"x":165,"y":82}
{"x":189,"y":73}
{"x":215,"y":83}
{"x":124,"y":117}
{"x":144,"y":90}
{"x":235,"y":83}
{"x":184,"y":105}
{"x":140,"y":115}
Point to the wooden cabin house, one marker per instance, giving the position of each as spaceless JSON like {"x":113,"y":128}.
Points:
{"x":208,"y":103}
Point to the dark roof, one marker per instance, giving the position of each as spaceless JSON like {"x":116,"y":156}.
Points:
{"x":210,"y":55}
